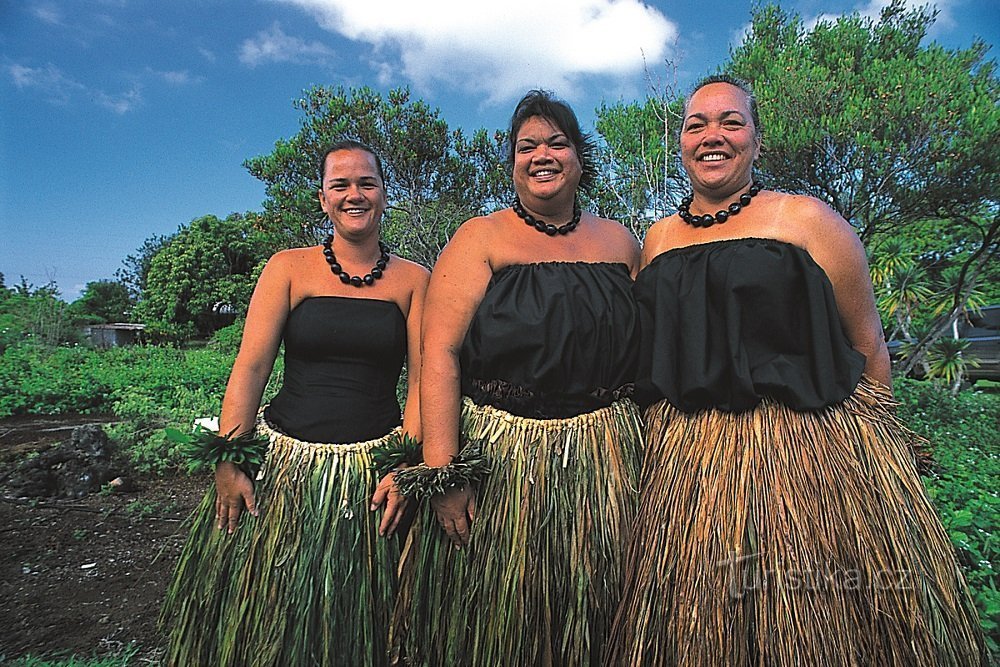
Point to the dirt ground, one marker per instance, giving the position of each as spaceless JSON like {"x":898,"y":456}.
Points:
{"x":86,"y":576}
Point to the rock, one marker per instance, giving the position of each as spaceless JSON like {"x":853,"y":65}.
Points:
{"x":69,"y":470}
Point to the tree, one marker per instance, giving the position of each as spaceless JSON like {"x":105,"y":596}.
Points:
{"x":104,"y":301}
{"x":135,"y":267}
{"x":436,"y":177}
{"x":209,"y":264}
{"x":858,"y":113}
{"x":35,"y":314}
{"x":640,"y":179}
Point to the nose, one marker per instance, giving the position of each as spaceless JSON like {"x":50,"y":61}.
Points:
{"x":712,"y":135}
{"x":541,"y":153}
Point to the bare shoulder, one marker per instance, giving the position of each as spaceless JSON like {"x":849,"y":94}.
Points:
{"x":618,"y":238}
{"x":657,"y":239}
{"x":818,"y":228}
{"x":414,"y":273}
{"x":473,"y":238}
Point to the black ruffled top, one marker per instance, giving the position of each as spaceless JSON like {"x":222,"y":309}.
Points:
{"x":727,"y":323}
{"x":554,"y":339}
{"x":343,"y":357}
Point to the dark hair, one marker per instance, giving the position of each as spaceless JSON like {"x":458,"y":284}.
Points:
{"x":543,"y":104}
{"x":348,"y":145}
{"x":732,"y":81}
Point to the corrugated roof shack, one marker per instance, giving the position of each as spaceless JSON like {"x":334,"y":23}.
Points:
{"x":113,"y":335}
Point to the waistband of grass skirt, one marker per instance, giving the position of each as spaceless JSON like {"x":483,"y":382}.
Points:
{"x":622,"y":406}
{"x":277,"y":438}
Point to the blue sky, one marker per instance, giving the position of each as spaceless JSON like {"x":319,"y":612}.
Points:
{"x":121,"y":119}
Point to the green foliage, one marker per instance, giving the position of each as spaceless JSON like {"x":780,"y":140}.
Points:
{"x":436,"y":177}
{"x":104,"y":301}
{"x":135,"y":268}
{"x":640,"y":177}
{"x":35,"y":314}
{"x":207,"y":263}
{"x":228,"y":339}
{"x":859,"y":114}
{"x":965,"y":442}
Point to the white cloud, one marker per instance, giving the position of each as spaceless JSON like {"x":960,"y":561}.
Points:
{"x":873,"y":10}
{"x":58,"y":88}
{"x":121,"y":103}
{"x":48,"y":80}
{"x":273,"y":45}
{"x":177,"y":78}
{"x":47,"y":13}
{"x":501,"y":48}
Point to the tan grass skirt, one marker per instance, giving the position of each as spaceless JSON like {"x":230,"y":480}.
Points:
{"x":781,"y":538}
{"x":539,"y":581}
{"x":309,"y":582}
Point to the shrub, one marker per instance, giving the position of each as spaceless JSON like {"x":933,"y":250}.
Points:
{"x":965,"y":442}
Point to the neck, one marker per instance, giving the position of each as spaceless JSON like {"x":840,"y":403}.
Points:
{"x":551,"y":210}
{"x":364,"y":250}
{"x":712,"y":201}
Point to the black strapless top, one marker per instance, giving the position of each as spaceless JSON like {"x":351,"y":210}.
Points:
{"x":342,"y":360}
{"x":727,"y":323}
{"x":554,"y":339}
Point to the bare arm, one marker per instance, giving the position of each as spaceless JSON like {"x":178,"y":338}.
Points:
{"x":269,"y":308}
{"x":386,"y":492}
{"x":838,"y":250}
{"x":457,"y":285}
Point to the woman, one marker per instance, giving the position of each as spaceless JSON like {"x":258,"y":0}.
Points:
{"x":782,"y":520}
{"x":304,"y":580}
{"x":529,"y":340}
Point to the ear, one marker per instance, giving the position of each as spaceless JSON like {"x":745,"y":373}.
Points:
{"x":757,"y":142}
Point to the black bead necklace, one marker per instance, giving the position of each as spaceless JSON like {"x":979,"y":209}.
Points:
{"x":708,"y":220}
{"x":541,"y":225}
{"x":345,"y":277}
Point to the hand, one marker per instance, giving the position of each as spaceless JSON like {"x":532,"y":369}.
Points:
{"x":455,"y":512}
{"x":233,"y":492}
{"x":395,"y":504}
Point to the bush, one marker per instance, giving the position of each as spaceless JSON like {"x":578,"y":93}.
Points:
{"x":965,"y":443}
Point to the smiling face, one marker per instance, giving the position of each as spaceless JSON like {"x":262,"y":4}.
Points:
{"x":546,"y":165}
{"x":719,"y":141}
{"x":352,"y":193}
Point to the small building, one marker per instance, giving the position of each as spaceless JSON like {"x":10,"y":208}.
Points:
{"x":117,"y":334}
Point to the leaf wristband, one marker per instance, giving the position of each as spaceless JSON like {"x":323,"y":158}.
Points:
{"x":402,"y":449}
{"x":422,"y":481}
{"x":206,"y":449}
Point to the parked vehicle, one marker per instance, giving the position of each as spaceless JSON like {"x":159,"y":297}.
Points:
{"x":982,"y":331}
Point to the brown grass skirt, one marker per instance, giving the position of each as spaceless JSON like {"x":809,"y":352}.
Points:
{"x":309,"y":582}
{"x":539,"y":581}
{"x":775,"y":537}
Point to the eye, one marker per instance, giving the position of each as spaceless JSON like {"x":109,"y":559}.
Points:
{"x":694,"y":126}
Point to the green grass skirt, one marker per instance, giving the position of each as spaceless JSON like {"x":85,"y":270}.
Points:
{"x":309,"y":582}
{"x":781,"y":538}
{"x":539,"y":581}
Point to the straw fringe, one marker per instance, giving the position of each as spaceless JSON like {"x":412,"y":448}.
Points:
{"x":540,"y":579}
{"x":309,"y":582}
{"x":773,"y":537}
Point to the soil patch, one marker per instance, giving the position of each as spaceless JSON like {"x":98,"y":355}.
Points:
{"x":86,"y":576}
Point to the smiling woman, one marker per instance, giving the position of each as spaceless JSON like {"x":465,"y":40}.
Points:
{"x":529,"y":349}
{"x":782,"y":521}
{"x":291,"y":564}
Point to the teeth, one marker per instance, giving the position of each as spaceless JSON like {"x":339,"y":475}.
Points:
{"x":713,"y":157}
{"x":544,"y":172}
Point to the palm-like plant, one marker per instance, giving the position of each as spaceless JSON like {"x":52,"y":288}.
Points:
{"x":905,"y":288}
{"x":946,"y":360}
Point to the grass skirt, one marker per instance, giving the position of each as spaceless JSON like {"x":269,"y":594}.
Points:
{"x":540,"y":579}
{"x":775,"y":537}
{"x":309,"y":582}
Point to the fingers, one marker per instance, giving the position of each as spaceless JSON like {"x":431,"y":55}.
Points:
{"x":472,"y":506}
{"x":459,"y":532}
{"x":381,"y":492}
{"x":394,"y":509}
